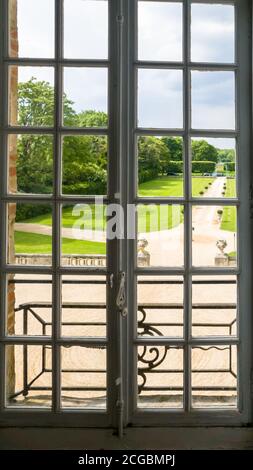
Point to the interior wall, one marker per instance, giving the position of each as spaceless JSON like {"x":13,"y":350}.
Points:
{"x":134,"y":438}
{"x":12,"y":184}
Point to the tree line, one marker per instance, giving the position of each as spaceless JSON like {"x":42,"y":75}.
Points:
{"x":84,"y":157}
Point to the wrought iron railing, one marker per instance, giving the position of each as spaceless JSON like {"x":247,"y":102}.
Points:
{"x":150,"y":357}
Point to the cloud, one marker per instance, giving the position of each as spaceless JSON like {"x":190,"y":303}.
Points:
{"x":87,"y":87}
{"x":160,"y":38}
{"x":160,"y":98}
{"x":86,"y":29}
{"x":213,"y":100}
{"x":212,"y":33}
{"x":36,"y":28}
{"x":160,"y":31}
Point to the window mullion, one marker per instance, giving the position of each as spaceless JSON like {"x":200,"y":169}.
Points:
{"x":187,"y":206}
{"x":56,"y":229}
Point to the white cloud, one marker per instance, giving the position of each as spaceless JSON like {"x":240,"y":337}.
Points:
{"x":87,"y":87}
{"x":213,"y":100}
{"x":36,"y":28}
{"x":160,"y":31}
{"x":212,"y":33}
{"x":86,"y":29}
{"x":160,"y":98}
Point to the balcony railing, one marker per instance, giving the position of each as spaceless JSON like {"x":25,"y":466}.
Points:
{"x":148,"y":363}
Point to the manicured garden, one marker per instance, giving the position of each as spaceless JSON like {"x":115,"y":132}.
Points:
{"x":228,"y":221}
{"x":150,"y":218}
{"x":35,"y":243}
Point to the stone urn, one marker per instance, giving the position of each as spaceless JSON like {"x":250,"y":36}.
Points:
{"x":221,"y":245}
{"x":221,"y":259}
{"x":143,"y":254}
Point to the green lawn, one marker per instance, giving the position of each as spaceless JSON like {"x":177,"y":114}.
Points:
{"x":172,"y":186}
{"x":229,"y":213}
{"x":168,"y":217}
{"x":35,"y":243}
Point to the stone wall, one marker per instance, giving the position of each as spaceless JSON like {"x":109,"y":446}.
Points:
{"x":12,"y":184}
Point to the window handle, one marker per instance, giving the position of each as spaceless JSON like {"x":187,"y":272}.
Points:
{"x":121,"y":297}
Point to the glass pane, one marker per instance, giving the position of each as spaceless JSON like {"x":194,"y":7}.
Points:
{"x":160,"y":306}
{"x":160,"y":98}
{"x":28,"y":376}
{"x":84,"y":306}
{"x":31,"y":96}
{"x":84,"y":165}
{"x":160,"y":31}
{"x":212,"y":33}
{"x":85,"y":29}
{"x":160,"y":164}
{"x":31,"y":225}
{"x":83,"y":378}
{"x":29,"y":309}
{"x":160,"y":377}
{"x":214,"y":376}
{"x":32,"y":27}
{"x":213,"y":100}
{"x":214,"y":236}
{"x":213,"y":167}
{"x":85,"y":97}
{"x":84,"y":235}
{"x":30,"y":164}
{"x":160,"y":235}
{"x":214,"y":306}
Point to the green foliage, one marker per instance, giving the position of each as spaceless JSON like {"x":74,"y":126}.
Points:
{"x":203,"y":151}
{"x":226,"y":155}
{"x":153,"y":158}
{"x":203,"y":167}
{"x":175,"y":147}
{"x":28,"y":211}
{"x":84,"y":169}
{"x":229,"y":166}
{"x":92,"y":118}
{"x":35,"y":164}
{"x":36,"y":104}
{"x":84,"y":157}
{"x":175,"y":167}
{"x":85,"y":165}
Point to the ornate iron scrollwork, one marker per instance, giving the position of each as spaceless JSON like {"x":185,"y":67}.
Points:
{"x":151,"y":356}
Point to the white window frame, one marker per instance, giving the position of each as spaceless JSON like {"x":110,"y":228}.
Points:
{"x":122,"y":132}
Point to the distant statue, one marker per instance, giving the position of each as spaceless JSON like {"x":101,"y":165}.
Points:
{"x":143,"y":254}
{"x":221,"y":259}
{"x":221,"y":245}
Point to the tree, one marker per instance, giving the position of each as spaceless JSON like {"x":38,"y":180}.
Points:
{"x":36,"y":105}
{"x":203,"y":151}
{"x":175,"y":147}
{"x":92,"y":118}
{"x":152,"y":158}
{"x":226,"y":155}
{"x":84,"y":165}
{"x":35,"y":163}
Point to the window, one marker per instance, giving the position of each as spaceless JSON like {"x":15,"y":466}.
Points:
{"x":125,"y":233}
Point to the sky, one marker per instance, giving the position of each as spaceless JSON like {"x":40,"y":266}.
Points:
{"x":160,"y":92}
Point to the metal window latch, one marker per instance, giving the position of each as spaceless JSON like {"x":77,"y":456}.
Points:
{"x":121,"y":297}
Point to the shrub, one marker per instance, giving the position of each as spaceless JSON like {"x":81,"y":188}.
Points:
{"x":203,"y":167}
{"x":28,"y":211}
{"x":230,"y":166}
{"x":175,"y":167}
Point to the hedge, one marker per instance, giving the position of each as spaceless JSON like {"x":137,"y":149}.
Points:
{"x":203,"y":167}
{"x":175,"y":167}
